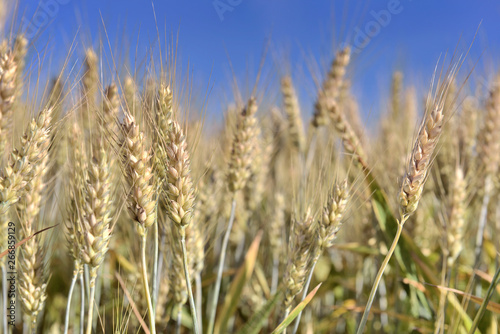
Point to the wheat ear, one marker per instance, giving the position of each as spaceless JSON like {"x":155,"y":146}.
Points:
{"x":96,"y":229}
{"x":8,"y":70}
{"x":414,"y":179}
{"x":32,"y":278}
{"x":141,"y":200}
{"x":330,"y":88}
{"x":300,"y":247}
{"x":292,"y":110}
{"x":180,"y":197}
{"x":242,"y":152}
{"x":328,"y":227}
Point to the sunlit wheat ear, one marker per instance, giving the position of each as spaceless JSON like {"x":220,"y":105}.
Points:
{"x":455,"y":231}
{"x":330,"y":88}
{"x":243,"y":147}
{"x":141,"y":199}
{"x":300,"y":247}
{"x":96,"y":220}
{"x":350,"y":140}
{"x":21,"y":167}
{"x":8,"y":70}
{"x":259,"y":171}
{"x":292,"y":110}
{"x":164,"y":109}
{"x":77,"y":176}
{"x":420,"y":160}
{"x":110,"y":108}
{"x":333,"y":213}
{"x":137,"y":165}
{"x":32,"y":278}
{"x":164,"y":118}
{"x":327,"y":229}
{"x":179,"y":188}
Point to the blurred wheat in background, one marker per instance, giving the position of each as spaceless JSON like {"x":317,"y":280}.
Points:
{"x":134,"y":213}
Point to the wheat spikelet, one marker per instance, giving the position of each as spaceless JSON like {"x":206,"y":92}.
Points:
{"x":351,"y":142}
{"x":110,"y":109}
{"x":292,"y":109}
{"x":138,"y":172}
{"x":8,"y":69}
{"x":32,"y":276}
{"x":420,"y":160}
{"x":330,"y":89}
{"x":259,"y":171}
{"x":333,"y":213}
{"x":299,"y":257}
{"x":21,"y":168}
{"x":179,"y":188}
{"x":243,"y":147}
{"x":96,"y":219}
{"x":164,"y":117}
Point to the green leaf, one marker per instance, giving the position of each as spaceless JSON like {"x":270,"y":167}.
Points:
{"x":255,"y":323}
{"x":296,"y":311}
{"x":236,"y":288}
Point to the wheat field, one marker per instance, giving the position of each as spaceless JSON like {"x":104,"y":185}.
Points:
{"x":126,"y":209}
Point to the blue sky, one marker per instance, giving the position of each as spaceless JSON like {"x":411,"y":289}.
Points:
{"x":297,"y":34}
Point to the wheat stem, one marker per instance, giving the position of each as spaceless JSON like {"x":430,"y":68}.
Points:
{"x":378,"y":278}
{"x":199,"y":298}
{"x":155,"y":269}
{"x":82,"y":301}
{"x":145,"y":285}
{"x":275,"y":274}
{"x":215,"y":297}
{"x":91,"y":305}
{"x":188,"y":282}
{"x":68,"y":304}
{"x":178,"y":324}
